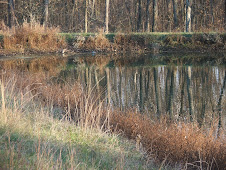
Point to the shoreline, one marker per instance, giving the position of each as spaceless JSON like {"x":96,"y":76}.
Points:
{"x":137,"y":43}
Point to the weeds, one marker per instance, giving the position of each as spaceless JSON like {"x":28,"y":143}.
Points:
{"x":181,"y":143}
{"x":97,"y":43}
{"x":153,"y":42}
{"x":32,"y":37}
{"x":33,"y":138}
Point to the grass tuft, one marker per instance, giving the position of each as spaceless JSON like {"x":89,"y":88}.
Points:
{"x":32,"y":37}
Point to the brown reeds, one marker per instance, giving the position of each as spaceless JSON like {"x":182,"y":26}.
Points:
{"x":180,"y":143}
{"x":32,"y":37}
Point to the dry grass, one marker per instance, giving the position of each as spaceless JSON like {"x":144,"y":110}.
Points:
{"x":32,"y":37}
{"x":168,"y":142}
{"x":80,"y":105}
{"x":32,"y":138}
{"x":97,"y":43}
{"x":181,"y":143}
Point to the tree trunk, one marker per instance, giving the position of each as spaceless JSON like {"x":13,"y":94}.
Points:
{"x":93,"y":8}
{"x":10,"y":13}
{"x":224,"y":14}
{"x":211,"y":11}
{"x":86,"y":16}
{"x":175,"y":13}
{"x":139,"y":16}
{"x":46,"y":13}
{"x":107,"y":14}
{"x":72,"y":16}
{"x":147,"y":24}
{"x":155,"y":15}
{"x":188,"y":16}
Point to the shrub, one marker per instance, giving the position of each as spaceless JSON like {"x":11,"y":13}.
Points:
{"x":33,"y":38}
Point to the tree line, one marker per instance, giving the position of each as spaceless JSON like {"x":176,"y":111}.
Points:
{"x":118,"y":15}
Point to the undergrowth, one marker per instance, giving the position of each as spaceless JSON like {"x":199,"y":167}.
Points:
{"x":183,"y":143}
{"x":32,"y":37}
{"x":37,"y":136}
{"x":147,"y":42}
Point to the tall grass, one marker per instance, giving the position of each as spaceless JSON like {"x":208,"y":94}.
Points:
{"x":32,"y":37}
{"x":183,"y":143}
{"x":35,"y":101}
{"x":37,"y":136}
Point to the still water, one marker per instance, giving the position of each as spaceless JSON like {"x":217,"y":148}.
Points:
{"x":183,"y":88}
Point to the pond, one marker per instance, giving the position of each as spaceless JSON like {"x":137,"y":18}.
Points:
{"x":182,"y":87}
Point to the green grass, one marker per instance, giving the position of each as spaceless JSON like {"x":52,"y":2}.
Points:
{"x":34,"y":137}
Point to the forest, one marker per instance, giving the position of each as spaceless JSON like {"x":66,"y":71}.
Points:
{"x":118,"y":15}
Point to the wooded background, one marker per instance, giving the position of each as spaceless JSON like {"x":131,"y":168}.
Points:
{"x":118,"y":15}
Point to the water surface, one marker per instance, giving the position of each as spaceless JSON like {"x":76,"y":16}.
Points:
{"x":189,"y":88}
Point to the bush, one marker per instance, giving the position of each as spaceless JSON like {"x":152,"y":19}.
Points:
{"x":32,"y":37}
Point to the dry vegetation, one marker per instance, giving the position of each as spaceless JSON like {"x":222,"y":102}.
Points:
{"x":98,"y":42}
{"x":171,"y":143}
{"x":179,"y":142}
{"x":33,"y":136}
{"x":32,"y":37}
{"x":150,"y":42}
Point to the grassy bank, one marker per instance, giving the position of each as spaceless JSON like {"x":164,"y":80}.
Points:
{"x":30,"y":38}
{"x":143,"y":42}
{"x":37,"y":136}
{"x":37,"y":39}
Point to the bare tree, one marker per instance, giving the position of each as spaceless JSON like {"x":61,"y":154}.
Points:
{"x":46,"y":13}
{"x":188,"y":15}
{"x":211,"y":11}
{"x":155,"y":15}
{"x":86,"y":16}
{"x":175,"y":19}
{"x":139,"y":16}
{"x":72,"y":15}
{"x":11,"y":13}
{"x":107,"y":14}
{"x":147,"y":26}
{"x":225,"y":13}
